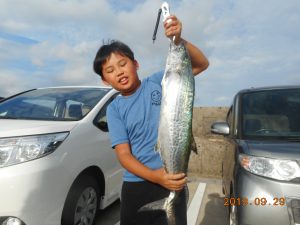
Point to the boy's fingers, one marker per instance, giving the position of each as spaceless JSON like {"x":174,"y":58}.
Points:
{"x":177,"y":176}
{"x":171,"y":21}
{"x":180,"y":184}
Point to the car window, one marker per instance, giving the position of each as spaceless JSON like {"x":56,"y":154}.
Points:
{"x":229,"y":119}
{"x":100,"y":121}
{"x":52,"y":104}
{"x":271,"y":113}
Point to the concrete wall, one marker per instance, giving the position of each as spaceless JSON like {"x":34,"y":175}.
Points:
{"x":208,"y":161}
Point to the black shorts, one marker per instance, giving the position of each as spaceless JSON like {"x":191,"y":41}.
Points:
{"x":137,"y":194}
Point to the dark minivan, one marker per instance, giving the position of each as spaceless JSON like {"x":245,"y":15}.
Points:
{"x":261,"y":166}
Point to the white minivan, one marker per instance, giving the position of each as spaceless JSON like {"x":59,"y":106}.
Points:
{"x":56,"y":162}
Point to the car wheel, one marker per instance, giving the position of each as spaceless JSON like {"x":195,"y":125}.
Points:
{"x":82,"y":202}
{"x":232,"y":215}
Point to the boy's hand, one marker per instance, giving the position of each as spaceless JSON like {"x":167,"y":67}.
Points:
{"x":173,"y":182}
{"x":173,"y":28}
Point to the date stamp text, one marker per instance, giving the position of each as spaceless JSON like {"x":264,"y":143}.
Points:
{"x":259,"y":201}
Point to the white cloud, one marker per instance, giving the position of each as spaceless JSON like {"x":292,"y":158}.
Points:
{"x":12,"y":25}
{"x":248,"y":43}
{"x":14,"y":82}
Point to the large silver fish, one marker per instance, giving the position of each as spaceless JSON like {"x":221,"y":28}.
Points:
{"x":175,"y":126}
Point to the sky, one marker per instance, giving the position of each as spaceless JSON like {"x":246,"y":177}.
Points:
{"x":249,"y":43}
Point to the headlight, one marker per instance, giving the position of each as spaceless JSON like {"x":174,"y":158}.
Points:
{"x":21,"y":149}
{"x":272,"y":168}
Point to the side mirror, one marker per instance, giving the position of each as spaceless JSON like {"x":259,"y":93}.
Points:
{"x":220,"y":128}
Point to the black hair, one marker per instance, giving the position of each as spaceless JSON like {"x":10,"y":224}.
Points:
{"x":106,"y":50}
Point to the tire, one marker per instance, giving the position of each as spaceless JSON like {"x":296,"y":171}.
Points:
{"x":82,"y":202}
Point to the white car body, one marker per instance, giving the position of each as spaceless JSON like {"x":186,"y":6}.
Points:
{"x":35,"y":191}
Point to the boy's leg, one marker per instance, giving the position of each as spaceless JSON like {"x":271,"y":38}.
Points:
{"x":130,"y":203}
{"x":134,"y":196}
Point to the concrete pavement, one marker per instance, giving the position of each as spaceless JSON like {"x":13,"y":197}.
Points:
{"x":212,"y":209}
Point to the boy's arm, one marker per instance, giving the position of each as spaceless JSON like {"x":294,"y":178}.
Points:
{"x":198,"y":59}
{"x":173,"y":182}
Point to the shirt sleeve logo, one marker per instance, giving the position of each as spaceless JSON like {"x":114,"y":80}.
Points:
{"x":155,"y":97}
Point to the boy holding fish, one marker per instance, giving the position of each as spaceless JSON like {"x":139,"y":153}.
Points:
{"x":133,"y":119}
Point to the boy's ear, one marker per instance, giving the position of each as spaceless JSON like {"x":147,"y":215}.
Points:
{"x":137,"y":65}
{"x":105,"y":82}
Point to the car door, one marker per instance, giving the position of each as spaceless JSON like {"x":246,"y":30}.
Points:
{"x":229,"y":161}
{"x":115,"y":172}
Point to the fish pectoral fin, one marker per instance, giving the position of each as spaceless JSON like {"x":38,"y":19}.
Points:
{"x":157,"y":146}
{"x":194,"y":145}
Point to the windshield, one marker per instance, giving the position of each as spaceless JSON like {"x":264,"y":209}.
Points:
{"x":271,"y":113}
{"x":52,"y":104}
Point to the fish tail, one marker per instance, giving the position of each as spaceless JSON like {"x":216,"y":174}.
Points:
{"x":165,"y":205}
{"x":162,"y":204}
{"x":154,"y":206}
{"x":175,"y":213}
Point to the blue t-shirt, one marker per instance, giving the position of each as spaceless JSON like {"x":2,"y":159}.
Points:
{"x":134,"y":119}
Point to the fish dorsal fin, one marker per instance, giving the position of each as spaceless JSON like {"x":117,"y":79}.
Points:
{"x":194,"y":145}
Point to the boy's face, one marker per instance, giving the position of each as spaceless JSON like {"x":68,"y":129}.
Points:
{"x":121,"y":73}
